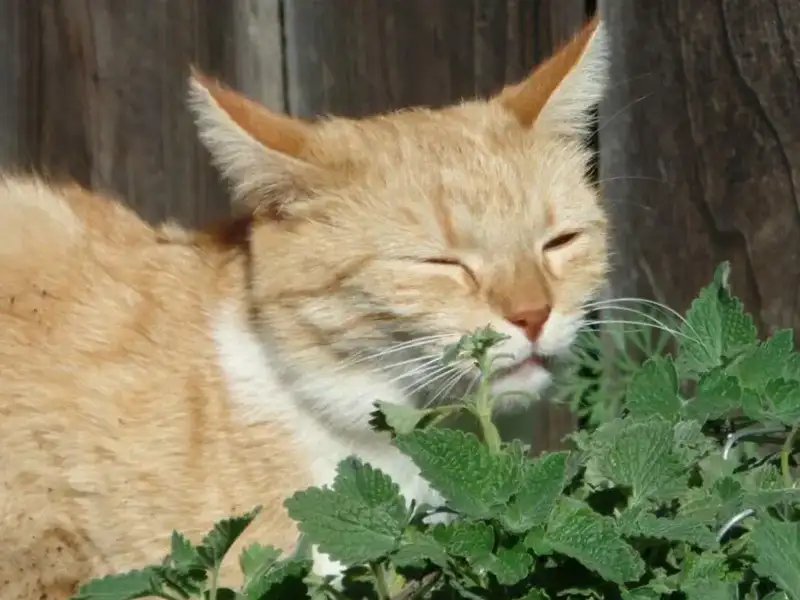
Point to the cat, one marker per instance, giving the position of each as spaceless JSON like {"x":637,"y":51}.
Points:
{"x":156,"y":378}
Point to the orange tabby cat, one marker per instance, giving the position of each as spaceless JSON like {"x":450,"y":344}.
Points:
{"x":159,"y":379}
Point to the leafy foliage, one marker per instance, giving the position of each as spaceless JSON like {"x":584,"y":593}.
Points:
{"x":673,"y":489}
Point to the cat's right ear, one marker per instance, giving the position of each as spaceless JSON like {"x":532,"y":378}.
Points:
{"x":258,"y":151}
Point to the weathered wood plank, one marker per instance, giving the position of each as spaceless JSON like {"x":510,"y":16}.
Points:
{"x":105,"y":95}
{"x":356,"y":57}
{"x":14,"y":62}
{"x":700,"y":150}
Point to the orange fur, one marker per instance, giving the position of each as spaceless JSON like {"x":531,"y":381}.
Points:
{"x":156,"y":378}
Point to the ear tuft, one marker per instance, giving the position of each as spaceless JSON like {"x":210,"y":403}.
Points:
{"x":561,"y":92}
{"x":259,"y":152}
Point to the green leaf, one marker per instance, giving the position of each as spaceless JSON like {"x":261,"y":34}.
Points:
{"x":220,"y":539}
{"x":472,"y":541}
{"x":779,"y":401}
{"x":639,"y":523}
{"x":764,"y":361}
{"x":125,"y":586}
{"x":642,"y":593}
{"x":416,"y":547}
{"x":183,"y":554}
{"x":542,"y":482}
{"x":712,"y":590}
{"x":359,"y":519}
{"x":691,"y":444}
{"x":474,"y":481}
{"x":716,"y":327}
{"x":639,"y":455}
{"x":592,"y":539}
{"x":511,"y":565}
{"x":776,"y":547}
{"x":535,"y":595}
{"x":262,"y":579}
{"x":257,"y":559}
{"x":718,"y":394}
{"x":398,"y":418}
{"x":653,"y":390}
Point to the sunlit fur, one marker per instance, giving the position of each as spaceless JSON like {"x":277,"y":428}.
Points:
{"x":156,"y":378}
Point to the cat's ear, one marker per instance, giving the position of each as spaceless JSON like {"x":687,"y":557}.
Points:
{"x":258,"y":151}
{"x":561,"y":92}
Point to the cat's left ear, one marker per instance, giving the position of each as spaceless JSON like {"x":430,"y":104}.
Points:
{"x":561,"y":92}
{"x":260,"y":152}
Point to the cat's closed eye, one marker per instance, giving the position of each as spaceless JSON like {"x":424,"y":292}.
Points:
{"x":560,"y":241}
{"x":452,"y":262}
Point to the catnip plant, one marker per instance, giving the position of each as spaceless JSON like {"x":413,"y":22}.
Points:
{"x":685,"y":490}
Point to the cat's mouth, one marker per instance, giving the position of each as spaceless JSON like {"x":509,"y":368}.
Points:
{"x":533,"y":361}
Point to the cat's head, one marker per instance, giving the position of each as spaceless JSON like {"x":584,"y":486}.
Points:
{"x":377,"y":242}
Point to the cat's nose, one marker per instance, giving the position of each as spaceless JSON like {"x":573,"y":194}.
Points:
{"x":531,"y":321}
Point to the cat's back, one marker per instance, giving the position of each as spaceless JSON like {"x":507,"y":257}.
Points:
{"x":65,"y":256}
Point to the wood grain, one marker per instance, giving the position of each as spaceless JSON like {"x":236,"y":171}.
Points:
{"x":700,"y":150}
{"x":357,"y":57}
{"x":103,"y":90}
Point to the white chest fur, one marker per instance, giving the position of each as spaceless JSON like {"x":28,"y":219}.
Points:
{"x":260,"y":396}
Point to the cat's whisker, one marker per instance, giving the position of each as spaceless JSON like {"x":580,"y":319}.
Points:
{"x":638,"y":324}
{"x":411,"y":361}
{"x":630,"y":177}
{"x":612,"y":302}
{"x":428,"y":380}
{"x":424,"y":369}
{"x":360,"y":357}
{"x":651,"y":320}
{"x":632,"y":300}
{"x":445,"y":389}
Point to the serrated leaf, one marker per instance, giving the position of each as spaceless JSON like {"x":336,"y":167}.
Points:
{"x":643,"y":593}
{"x":265,"y":580}
{"x":474,"y":481}
{"x":639,"y":523}
{"x":779,"y":401}
{"x":715,"y":327}
{"x":470,"y":540}
{"x":691,"y":444}
{"x":220,"y":539}
{"x":255,"y":560}
{"x":641,"y":457}
{"x":183,"y":554}
{"x":542,"y":482}
{"x":510,"y":565}
{"x":125,"y":586}
{"x":360,"y":518}
{"x":592,"y":539}
{"x":534,"y":595}
{"x":699,"y":504}
{"x":653,"y":390}
{"x":416,"y":547}
{"x":398,"y":418}
{"x":776,"y":547}
{"x":718,"y":394}
{"x":764,"y":361}
{"x":712,"y":590}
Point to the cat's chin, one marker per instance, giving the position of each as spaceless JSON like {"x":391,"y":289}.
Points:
{"x":528,"y":379}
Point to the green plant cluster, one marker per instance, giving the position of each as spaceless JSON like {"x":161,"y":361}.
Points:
{"x":686,"y":491}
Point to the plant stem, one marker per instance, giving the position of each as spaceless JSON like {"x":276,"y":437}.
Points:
{"x":212,"y":589}
{"x":786,"y":452}
{"x":418,"y":589}
{"x":380,"y":581}
{"x":483,"y":409}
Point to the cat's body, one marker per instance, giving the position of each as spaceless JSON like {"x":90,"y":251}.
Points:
{"x":157,"y":379}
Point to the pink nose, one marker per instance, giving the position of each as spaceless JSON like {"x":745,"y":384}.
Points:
{"x":531,"y":321}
